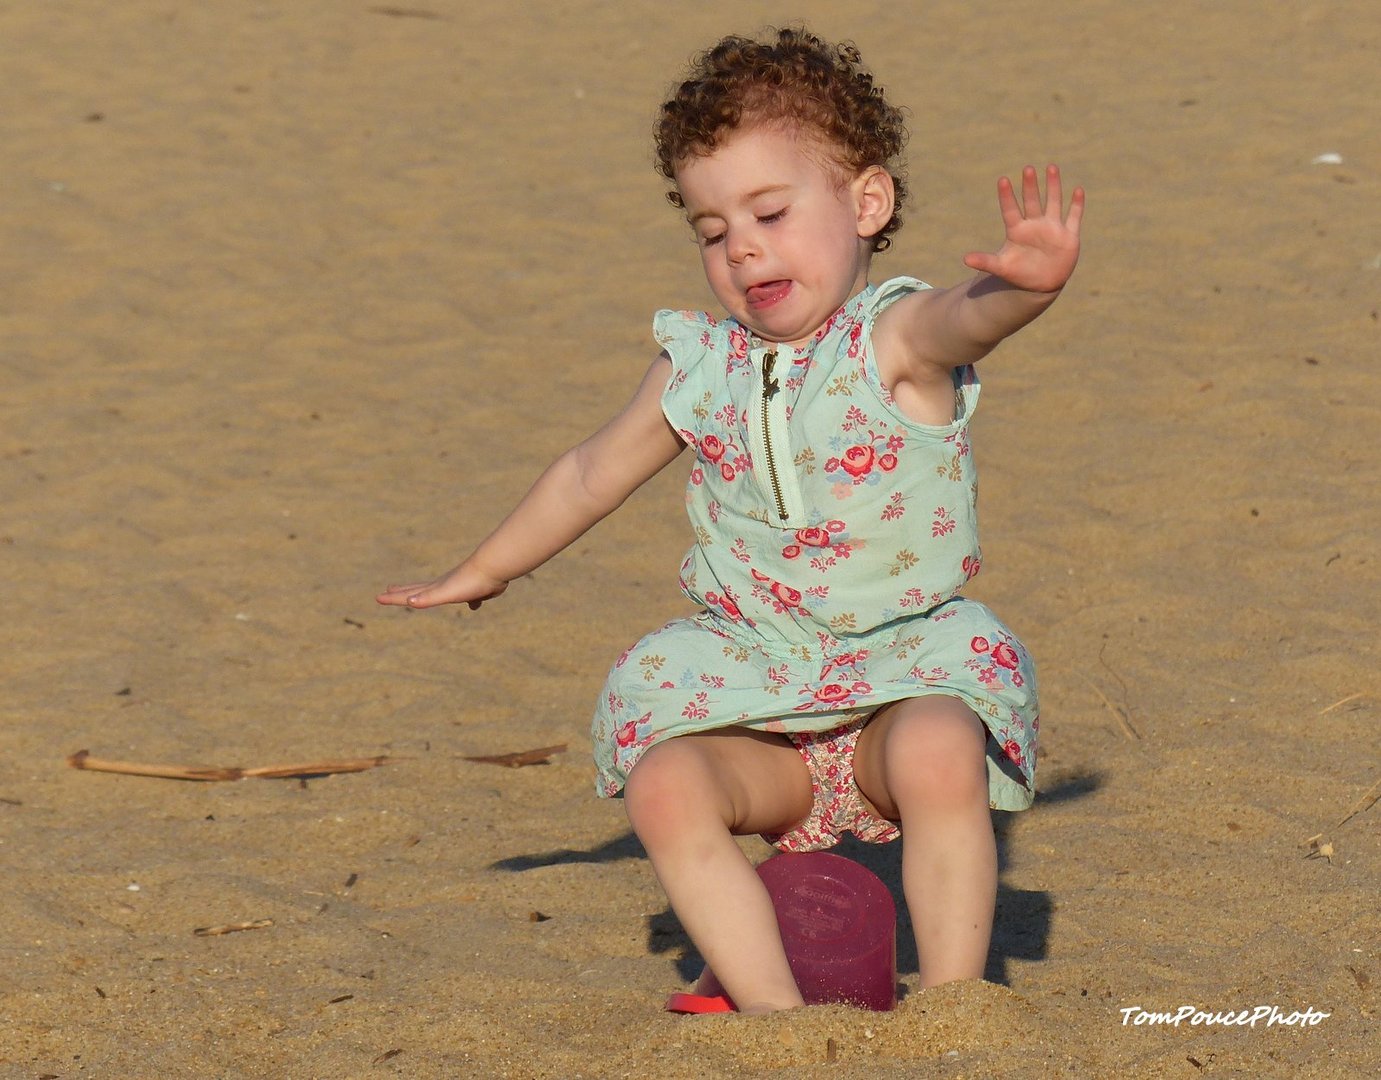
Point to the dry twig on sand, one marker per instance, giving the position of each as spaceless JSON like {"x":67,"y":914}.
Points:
{"x":1366,"y":802}
{"x":82,"y":759}
{"x":232,"y":928}
{"x":1319,"y":846}
{"x":519,"y":758}
{"x":1124,"y":722}
{"x":1341,"y":702}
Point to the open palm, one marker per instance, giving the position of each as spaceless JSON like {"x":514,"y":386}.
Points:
{"x":1042,"y":243}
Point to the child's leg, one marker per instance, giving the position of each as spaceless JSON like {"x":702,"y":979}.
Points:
{"x":922,"y":762}
{"x":686,"y":798}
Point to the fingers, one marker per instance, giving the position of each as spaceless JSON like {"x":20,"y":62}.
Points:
{"x":1032,"y":205}
{"x":1031,"y":193}
{"x":981,"y":261}
{"x":1054,"y":199}
{"x":402,"y":595}
{"x":447,"y":589}
{"x":397,"y":594}
{"x":1007,"y":203}
{"x":1076,"y":211}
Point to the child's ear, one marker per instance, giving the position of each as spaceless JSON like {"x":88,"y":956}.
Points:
{"x":876,"y":198}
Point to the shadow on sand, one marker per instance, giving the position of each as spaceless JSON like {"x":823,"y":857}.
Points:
{"x":1021,"y":926}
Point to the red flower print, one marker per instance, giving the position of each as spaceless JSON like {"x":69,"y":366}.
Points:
{"x":838,"y":693}
{"x":857,"y":460}
{"x":1005,"y":656}
{"x":887,"y":462}
{"x":817,"y":536}
{"x":831,"y":693}
{"x":726,"y":470}
{"x":979,"y":645}
{"x":1012,"y":749}
{"x":724,"y":604}
{"x":712,"y":446}
{"x":786,"y":594}
{"x":971,"y":566}
{"x":696,"y":708}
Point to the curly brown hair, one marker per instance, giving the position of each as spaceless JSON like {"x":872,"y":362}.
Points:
{"x":794,"y":78}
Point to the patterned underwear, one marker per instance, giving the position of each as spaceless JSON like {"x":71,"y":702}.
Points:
{"x":837,"y":805}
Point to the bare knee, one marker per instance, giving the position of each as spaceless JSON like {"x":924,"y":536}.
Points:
{"x":935,"y":755}
{"x":670,"y":784}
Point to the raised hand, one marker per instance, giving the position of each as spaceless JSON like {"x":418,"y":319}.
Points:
{"x":1042,"y":243}
{"x":463,"y":585}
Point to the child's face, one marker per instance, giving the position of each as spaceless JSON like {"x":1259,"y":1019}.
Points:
{"x":783,"y":233}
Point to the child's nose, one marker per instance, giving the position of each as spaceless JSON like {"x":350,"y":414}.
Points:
{"x":743,"y":242}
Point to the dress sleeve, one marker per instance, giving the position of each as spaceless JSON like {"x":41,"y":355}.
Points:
{"x":686,"y":338}
{"x":966,"y":384}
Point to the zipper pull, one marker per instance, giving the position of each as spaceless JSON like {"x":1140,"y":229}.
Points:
{"x":769,"y":384}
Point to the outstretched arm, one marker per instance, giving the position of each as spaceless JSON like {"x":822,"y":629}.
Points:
{"x":582,"y":486}
{"x":927,"y":334}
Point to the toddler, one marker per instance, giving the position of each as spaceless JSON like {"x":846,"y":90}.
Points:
{"x":835,"y":681}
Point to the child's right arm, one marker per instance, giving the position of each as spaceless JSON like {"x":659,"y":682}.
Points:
{"x":582,"y":486}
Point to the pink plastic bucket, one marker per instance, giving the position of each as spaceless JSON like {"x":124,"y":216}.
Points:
{"x":839,"y":926}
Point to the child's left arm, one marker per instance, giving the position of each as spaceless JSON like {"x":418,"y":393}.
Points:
{"x":926,"y":335}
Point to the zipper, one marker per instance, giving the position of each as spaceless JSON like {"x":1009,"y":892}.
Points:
{"x":769,"y":391}
{"x":772,"y":448}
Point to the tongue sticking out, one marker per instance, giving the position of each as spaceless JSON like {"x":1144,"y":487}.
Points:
{"x":769,"y":292}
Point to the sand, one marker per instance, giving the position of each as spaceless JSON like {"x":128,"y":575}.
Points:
{"x":298,"y":297}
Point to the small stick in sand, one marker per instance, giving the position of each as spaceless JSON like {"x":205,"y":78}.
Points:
{"x":1366,"y":802}
{"x":82,"y":759}
{"x":1341,"y":702}
{"x":232,"y":928}
{"x":519,"y":758}
{"x":318,"y":768}
{"x":1123,"y":723}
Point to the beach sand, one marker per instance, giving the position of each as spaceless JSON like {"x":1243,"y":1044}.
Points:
{"x":297,"y":298}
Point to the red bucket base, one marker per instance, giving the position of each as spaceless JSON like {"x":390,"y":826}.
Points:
{"x":839,"y":927}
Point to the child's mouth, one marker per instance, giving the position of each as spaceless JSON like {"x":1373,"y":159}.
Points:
{"x":767,"y":293}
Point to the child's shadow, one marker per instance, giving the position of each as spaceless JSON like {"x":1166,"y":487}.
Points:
{"x":1021,"y":926}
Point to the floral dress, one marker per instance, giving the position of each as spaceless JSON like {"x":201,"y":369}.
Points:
{"x":832,"y":536}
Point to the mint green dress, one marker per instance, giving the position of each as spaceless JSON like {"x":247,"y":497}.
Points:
{"x":832,"y":537}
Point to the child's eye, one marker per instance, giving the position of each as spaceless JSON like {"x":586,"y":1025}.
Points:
{"x":768,"y":219}
{"x":711,"y":241}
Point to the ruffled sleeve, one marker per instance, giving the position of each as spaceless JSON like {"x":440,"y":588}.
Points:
{"x":687,"y":338}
